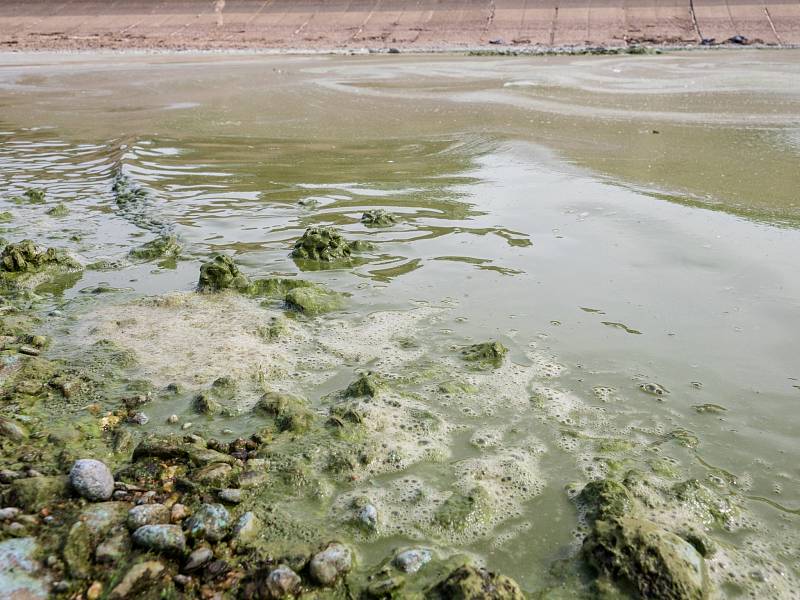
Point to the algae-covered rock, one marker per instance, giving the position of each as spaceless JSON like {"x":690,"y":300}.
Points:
{"x":314,"y":300}
{"x":327,"y":566}
{"x":605,"y":499}
{"x":166,"y":539}
{"x":30,"y":196}
{"x":136,"y":579}
{"x":291,"y":412}
{"x":411,"y":561}
{"x":59,"y":210}
{"x":211,"y":522}
{"x":35,"y":493}
{"x":166,"y":246}
{"x":485,"y":354}
{"x":323,"y":244}
{"x":221,"y":273}
{"x":282,"y":583}
{"x":461,"y":510}
{"x":367,"y":384}
{"x":246,"y":530}
{"x":378,"y":218}
{"x":211,"y":401}
{"x":473,"y":583}
{"x":94,"y":523}
{"x":26,"y":256}
{"x":19,"y":569}
{"x":710,"y":506}
{"x":640,"y":555}
{"x":276,"y":287}
{"x":147,"y":514}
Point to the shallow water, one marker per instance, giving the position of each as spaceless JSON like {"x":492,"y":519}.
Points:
{"x":614,"y":221}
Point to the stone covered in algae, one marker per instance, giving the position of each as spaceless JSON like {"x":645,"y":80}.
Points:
{"x":59,"y":210}
{"x":461,"y":510}
{"x":638,"y":554}
{"x":472,"y":583}
{"x":378,"y":218}
{"x":210,"y":402}
{"x":323,"y":244}
{"x":485,"y":354}
{"x":31,"y":196}
{"x":221,"y":273}
{"x":367,"y":384}
{"x":276,"y":287}
{"x":166,"y":246}
{"x":291,"y":412}
{"x":26,"y":256}
{"x":314,"y":300}
{"x":605,"y":499}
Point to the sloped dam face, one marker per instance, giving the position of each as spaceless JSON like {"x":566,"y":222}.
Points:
{"x":536,"y":315}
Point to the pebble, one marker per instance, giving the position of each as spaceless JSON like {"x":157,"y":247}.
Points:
{"x":368,"y":515}
{"x":328,"y":565}
{"x":94,"y":591}
{"x":178,"y":513}
{"x":230,"y":495}
{"x":29,"y":350}
{"x":197,"y":559}
{"x":161,"y":538}
{"x":138,"y":418}
{"x":91,"y":479}
{"x":282,"y":582}
{"x":211,"y":521}
{"x":411,"y":561}
{"x":147,"y":570}
{"x":6,"y":514}
{"x":246,"y":529}
{"x":172,"y":419}
{"x":147,"y":514}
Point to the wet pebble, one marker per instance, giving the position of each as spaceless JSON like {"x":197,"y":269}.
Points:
{"x":168,"y":539}
{"x":282,"y":582}
{"x":328,"y":565}
{"x":230,"y":495}
{"x":211,"y":521}
{"x":135,"y":576}
{"x":178,"y":513}
{"x":172,"y":419}
{"x":138,"y":418}
{"x":368,"y":516}
{"x":197,"y":559}
{"x":147,"y":514}
{"x":411,"y":561}
{"x":246,"y":529}
{"x":91,"y":479}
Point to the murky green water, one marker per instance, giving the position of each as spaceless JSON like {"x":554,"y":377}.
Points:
{"x":614,"y":221}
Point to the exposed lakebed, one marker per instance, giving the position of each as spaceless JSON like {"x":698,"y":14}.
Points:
{"x":449,"y":322}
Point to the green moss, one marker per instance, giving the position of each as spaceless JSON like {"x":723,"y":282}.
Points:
{"x":460,"y":510}
{"x":291,"y":412}
{"x":641,"y":556}
{"x":378,"y":218}
{"x":473,"y":583}
{"x":6,"y":217}
{"x":59,"y":210}
{"x":490,"y":354}
{"x":26,"y":256}
{"x":221,"y":273}
{"x":605,"y":499}
{"x":314,"y":300}
{"x":274,"y":329}
{"x":367,"y":384}
{"x":322,"y":244}
{"x":613,"y":445}
{"x":166,"y":246}
{"x":452,"y":387}
{"x":30,"y":196}
{"x":711,"y":506}
{"x":276,"y":287}
{"x":35,"y":493}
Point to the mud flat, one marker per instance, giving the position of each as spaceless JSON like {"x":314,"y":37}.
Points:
{"x":465,"y":328}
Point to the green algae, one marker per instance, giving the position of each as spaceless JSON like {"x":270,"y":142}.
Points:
{"x":221,"y":273}
{"x":378,"y":218}
{"x":473,"y":583}
{"x":605,"y":499}
{"x":276,"y":287}
{"x":159,"y":248}
{"x":314,"y":300}
{"x":30,"y":196}
{"x":366,"y":384}
{"x":485,"y":354}
{"x":6,"y":217}
{"x":324,"y":244}
{"x":59,"y":210}
{"x":26,"y":256}
{"x":461,"y":510}
{"x":291,"y":412}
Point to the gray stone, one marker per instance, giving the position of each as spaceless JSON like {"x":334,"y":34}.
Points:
{"x":197,"y":559}
{"x":6,"y":514}
{"x":147,"y":514}
{"x":18,"y":570}
{"x":411,"y":561}
{"x":246,"y":529}
{"x":136,"y":577}
{"x":282,"y":582}
{"x":168,"y":539}
{"x":211,"y":521}
{"x":368,"y":516}
{"x":91,"y":479}
{"x":230,"y":495}
{"x":326,"y":566}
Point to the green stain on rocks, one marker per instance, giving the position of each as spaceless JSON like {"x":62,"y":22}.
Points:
{"x":486,"y":354}
{"x":638,"y":555}
{"x":221,"y":273}
{"x":314,"y":300}
{"x":322,"y":244}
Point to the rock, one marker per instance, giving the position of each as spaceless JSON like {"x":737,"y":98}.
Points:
{"x":59,"y":210}
{"x":485,"y":354}
{"x":6,"y":514}
{"x":471,"y":583}
{"x":411,"y":561}
{"x":91,"y":479}
{"x":172,"y":419}
{"x":114,"y":548}
{"x":11,"y":429}
{"x":18,"y":570}
{"x":27,"y":256}
{"x":178,"y":513}
{"x":367,"y":384}
{"x":378,"y":218}
{"x":642,"y":556}
{"x":220,"y":273}
{"x":166,"y":246}
{"x":246,"y":530}
{"x":138,"y":418}
{"x":205,"y":456}
{"x":147,"y":514}
{"x":94,"y":591}
{"x":197,"y":559}
{"x":314,"y":300}
{"x":166,"y":539}
{"x":167,"y":447}
{"x":291,"y":412}
{"x":211,"y":522}
{"x":368,"y":516}
{"x":230,"y":495}
{"x":213,"y":474}
{"x":137,"y":577}
{"x":252,"y":479}
{"x":322,"y":244}
{"x":326,"y":566}
{"x":32,"y":494}
{"x":605,"y":499}
{"x":276,"y":287}
{"x":29,"y":351}
{"x":460,"y":510}
{"x":93,"y":523}
{"x":204,"y":404}
{"x":281,"y":582}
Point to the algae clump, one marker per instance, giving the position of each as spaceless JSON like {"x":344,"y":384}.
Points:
{"x":606,"y":499}
{"x":59,"y":210}
{"x":31,"y":196}
{"x":26,"y":256}
{"x":460,"y":510}
{"x":221,"y":273}
{"x":291,"y":412}
{"x":6,"y":217}
{"x":485,"y":354}
{"x":367,"y":384}
{"x":161,"y":247}
{"x":322,"y":244}
{"x":473,"y":583}
{"x":378,"y":218}
{"x":314,"y":300}
{"x":639,"y":555}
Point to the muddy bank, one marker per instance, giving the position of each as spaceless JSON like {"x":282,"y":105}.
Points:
{"x":314,"y":25}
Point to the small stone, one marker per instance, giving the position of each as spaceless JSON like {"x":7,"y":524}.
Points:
{"x":282,"y":582}
{"x":368,"y":516}
{"x":213,"y":474}
{"x":328,"y":565}
{"x":182,"y":580}
{"x":230,"y":495}
{"x":94,"y":591}
{"x":12,"y":430}
{"x":113,"y":548}
{"x":168,"y":539}
{"x":178,"y":513}
{"x":197,"y":559}
{"x":91,"y":479}
{"x":246,"y":529}
{"x":29,"y":350}
{"x":211,"y":521}
{"x":411,"y":561}
{"x":147,"y":514}
{"x":138,"y":418}
{"x":172,"y":419}
{"x":136,"y":577}
{"x":6,"y":514}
